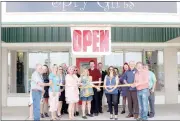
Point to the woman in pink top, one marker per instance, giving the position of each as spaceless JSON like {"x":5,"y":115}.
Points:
{"x":71,"y":91}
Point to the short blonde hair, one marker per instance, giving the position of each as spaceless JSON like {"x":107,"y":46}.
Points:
{"x":85,"y":68}
{"x":69,"y":68}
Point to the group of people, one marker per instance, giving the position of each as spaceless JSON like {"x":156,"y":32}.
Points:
{"x":61,"y":88}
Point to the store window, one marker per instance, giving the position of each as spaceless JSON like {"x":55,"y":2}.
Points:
{"x":9,"y":71}
{"x":59,"y":58}
{"x":178,"y":62}
{"x":155,"y":61}
{"x":114,"y":59}
{"x":21,"y":65}
{"x":17,"y":72}
{"x":133,"y":56}
{"x":35,"y":58}
{"x":160,"y":72}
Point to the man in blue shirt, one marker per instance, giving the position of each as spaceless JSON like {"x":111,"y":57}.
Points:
{"x":152,"y":86}
{"x":132,"y":92}
{"x":37,"y":87}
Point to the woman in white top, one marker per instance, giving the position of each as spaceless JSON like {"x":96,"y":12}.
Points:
{"x":71,"y":91}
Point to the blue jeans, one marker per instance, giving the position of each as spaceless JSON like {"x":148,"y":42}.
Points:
{"x":143,"y":103}
{"x":151,"y":104}
{"x":36,"y":96}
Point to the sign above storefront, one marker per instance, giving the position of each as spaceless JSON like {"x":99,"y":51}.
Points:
{"x":91,"y":40}
{"x":147,"y":7}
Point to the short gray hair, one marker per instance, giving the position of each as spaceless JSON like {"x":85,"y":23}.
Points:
{"x":145,"y":64}
{"x":139,"y":63}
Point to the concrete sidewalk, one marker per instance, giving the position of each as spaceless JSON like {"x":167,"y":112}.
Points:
{"x":163,"y":112}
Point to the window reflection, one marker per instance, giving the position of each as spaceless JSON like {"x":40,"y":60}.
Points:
{"x":35,"y":58}
{"x":114,"y":59}
{"x":160,"y":72}
{"x":133,"y":56}
{"x":154,"y":59}
{"x":17,"y":78}
{"x":9,"y":71}
{"x":59,"y":58}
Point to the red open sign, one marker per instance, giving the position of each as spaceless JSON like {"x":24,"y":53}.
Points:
{"x":90,"y":41}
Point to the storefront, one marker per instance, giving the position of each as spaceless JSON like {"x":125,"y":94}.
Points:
{"x":44,"y":35}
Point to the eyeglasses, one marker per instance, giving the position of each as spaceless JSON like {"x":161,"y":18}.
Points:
{"x":75,"y":70}
{"x":60,"y":69}
{"x":111,"y":69}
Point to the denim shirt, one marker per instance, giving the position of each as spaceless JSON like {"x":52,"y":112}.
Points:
{"x":111,"y":82}
{"x":129,"y":77}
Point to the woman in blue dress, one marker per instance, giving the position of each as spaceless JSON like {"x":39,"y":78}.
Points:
{"x":124,"y":89}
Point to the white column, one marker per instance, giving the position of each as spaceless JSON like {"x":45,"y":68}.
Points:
{"x":13,"y":77}
{"x":4,"y":76}
{"x":171,"y":75}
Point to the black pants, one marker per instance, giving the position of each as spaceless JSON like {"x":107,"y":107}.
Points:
{"x":119,"y":96}
{"x":112,"y":102}
{"x":95,"y":102}
{"x":64,"y":105}
{"x":100,"y":100}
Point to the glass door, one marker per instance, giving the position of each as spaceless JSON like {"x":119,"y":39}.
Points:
{"x":33,"y":59}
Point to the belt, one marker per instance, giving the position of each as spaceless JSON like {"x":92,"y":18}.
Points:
{"x":36,"y":90}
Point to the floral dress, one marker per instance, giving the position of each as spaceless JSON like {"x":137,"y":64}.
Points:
{"x":86,"y":92}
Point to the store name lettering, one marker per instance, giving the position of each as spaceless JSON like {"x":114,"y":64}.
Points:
{"x":105,"y":6}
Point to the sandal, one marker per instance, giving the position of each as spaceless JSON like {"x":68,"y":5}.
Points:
{"x":30,"y":118}
{"x":59,"y":115}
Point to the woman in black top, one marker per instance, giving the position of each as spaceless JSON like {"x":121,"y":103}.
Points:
{"x":45,"y":76}
{"x":77,"y":104}
{"x":118,"y":74}
{"x":62,"y":96}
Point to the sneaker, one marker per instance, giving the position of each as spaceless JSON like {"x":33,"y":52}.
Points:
{"x":90,"y":115}
{"x":77,"y":113}
{"x":42,"y":116}
{"x":46,"y":114}
{"x":148,"y":114}
{"x":84,"y":117}
{"x":115,"y":117}
{"x":96,"y":114}
{"x":111,"y":116}
{"x":123,"y":111}
{"x":100,"y":111}
{"x":151,"y":116}
{"x":129,"y":116}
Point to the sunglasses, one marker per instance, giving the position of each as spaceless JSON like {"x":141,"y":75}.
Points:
{"x":75,"y":70}
{"x":60,"y":69}
{"x":111,"y":69}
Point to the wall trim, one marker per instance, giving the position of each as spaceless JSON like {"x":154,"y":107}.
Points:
{"x":68,"y":44}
